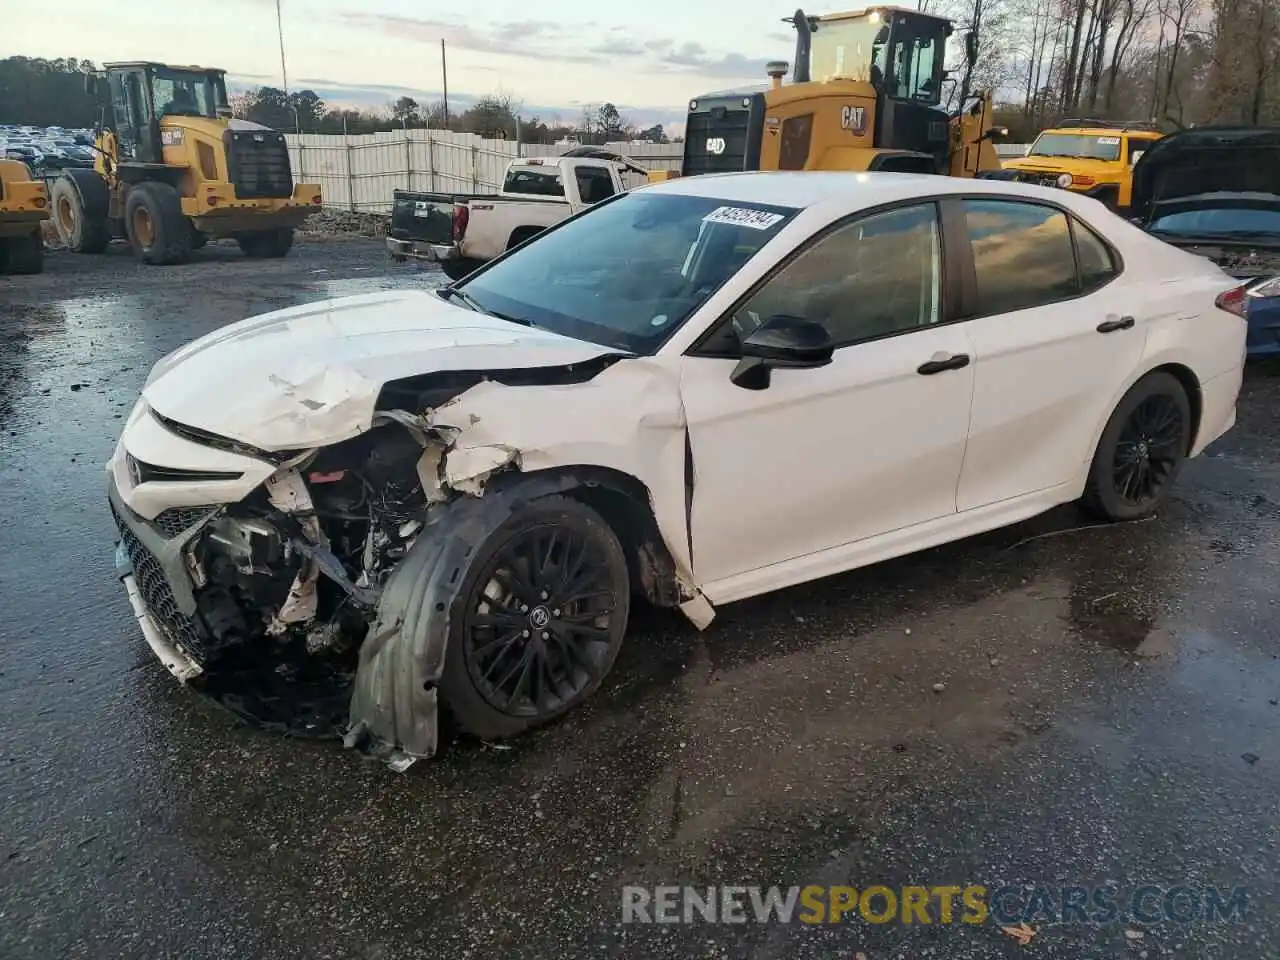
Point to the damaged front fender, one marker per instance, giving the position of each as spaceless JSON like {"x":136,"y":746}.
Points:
{"x":394,"y":704}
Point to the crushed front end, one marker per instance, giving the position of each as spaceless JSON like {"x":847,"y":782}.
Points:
{"x":255,"y":575}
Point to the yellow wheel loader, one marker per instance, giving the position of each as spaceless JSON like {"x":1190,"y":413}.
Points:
{"x":866,"y":93}
{"x":174,"y":170}
{"x":24,"y":206}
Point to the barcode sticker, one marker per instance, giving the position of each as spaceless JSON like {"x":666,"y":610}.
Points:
{"x":1109,"y":141}
{"x":743,"y":217}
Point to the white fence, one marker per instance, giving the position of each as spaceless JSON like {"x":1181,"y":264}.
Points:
{"x":360,"y":172}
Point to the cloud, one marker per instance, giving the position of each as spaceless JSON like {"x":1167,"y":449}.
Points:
{"x":532,"y":39}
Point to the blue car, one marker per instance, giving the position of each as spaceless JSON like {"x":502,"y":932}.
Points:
{"x":1215,"y":191}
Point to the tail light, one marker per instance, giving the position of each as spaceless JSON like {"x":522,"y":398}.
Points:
{"x":461,"y":214}
{"x":1233,"y":300}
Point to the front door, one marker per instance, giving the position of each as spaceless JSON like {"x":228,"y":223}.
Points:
{"x":827,"y":456}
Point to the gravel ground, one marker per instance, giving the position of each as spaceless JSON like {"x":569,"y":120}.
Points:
{"x":1043,"y":706}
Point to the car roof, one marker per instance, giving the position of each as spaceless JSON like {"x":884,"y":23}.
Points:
{"x":848,"y":191}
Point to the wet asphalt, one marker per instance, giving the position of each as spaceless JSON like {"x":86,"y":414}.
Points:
{"x":1043,"y":706}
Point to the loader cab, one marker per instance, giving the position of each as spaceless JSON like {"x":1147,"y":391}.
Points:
{"x":142,"y":94}
{"x":866,"y":79}
{"x":900,"y":54}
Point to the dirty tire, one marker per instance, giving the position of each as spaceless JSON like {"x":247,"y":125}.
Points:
{"x":1151,"y":422}
{"x":81,"y":231}
{"x":486,"y":618}
{"x":457,"y":269}
{"x":158,"y":230}
{"x":23,"y":254}
{"x":267,"y":244}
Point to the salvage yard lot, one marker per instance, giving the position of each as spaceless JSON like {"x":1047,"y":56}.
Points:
{"x":1042,"y":705}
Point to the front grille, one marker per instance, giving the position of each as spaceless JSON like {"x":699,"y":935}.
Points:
{"x":181,"y":519}
{"x":1039,"y":179}
{"x":258,"y":162}
{"x":722,"y":135}
{"x":156,"y":593}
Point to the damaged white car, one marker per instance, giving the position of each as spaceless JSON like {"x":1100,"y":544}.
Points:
{"x":695,"y":392}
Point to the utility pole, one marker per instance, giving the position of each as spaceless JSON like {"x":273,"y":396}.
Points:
{"x":444,"y":72}
{"x":284,"y":76}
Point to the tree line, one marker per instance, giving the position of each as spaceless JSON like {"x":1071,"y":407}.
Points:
{"x":1177,"y":63}
{"x":53,"y":93}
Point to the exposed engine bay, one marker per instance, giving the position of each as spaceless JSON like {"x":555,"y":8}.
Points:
{"x":291,"y":576}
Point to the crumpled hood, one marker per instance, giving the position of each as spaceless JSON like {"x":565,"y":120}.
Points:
{"x":310,"y":375}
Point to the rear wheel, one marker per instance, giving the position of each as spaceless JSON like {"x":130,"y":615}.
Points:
{"x":158,"y":230}
{"x":1141,"y":451}
{"x":23,"y":254}
{"x":457,"y":269}
{"x":538,"y":620}
{"x":80,"y":230}
{"x":267,"y":244}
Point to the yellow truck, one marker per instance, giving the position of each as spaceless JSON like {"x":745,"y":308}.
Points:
{"x":1093,"y":157}
{"x":24,"y":206}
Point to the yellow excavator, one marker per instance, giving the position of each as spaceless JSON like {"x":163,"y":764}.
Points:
{"x":24,"y":206}
{"x":174,"y":169}
{"x":866,"y":93}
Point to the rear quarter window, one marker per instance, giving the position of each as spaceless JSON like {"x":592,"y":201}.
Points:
{"x":537,"y":183}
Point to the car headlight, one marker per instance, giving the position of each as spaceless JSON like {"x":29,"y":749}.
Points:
{"x":1064,"y":181}
{"x":1267,"y":288}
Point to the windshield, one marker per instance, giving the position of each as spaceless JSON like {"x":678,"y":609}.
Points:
{"x":848,"y":48}
{"x":1220,"y":222}
{"x":184,"y":93}
{"x":1086,"y":146}
{"x":631,"y":271}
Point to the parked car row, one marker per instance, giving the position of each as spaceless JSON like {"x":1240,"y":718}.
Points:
{"x":452,"y":495}
{"x":47,"y":148}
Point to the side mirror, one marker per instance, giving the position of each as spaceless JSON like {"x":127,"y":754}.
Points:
{"x":785,"y":342}
{"x":971,"y":48}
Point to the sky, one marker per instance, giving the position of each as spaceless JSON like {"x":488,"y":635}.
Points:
{"x":553,"y":56}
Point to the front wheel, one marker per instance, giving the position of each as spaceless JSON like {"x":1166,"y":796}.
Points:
{"x":1141,"y":451}
{"x":158,"y":230}
{"x":538,"y":620}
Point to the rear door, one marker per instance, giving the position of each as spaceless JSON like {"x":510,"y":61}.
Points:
{"x":1054,"y":336}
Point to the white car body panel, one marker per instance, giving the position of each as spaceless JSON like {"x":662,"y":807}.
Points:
{"x":828,"y":469}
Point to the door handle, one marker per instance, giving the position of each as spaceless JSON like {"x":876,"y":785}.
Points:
{"x":954,"y":362}
{"x":1110,"y":326}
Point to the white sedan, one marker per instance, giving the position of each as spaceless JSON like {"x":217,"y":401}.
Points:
{"x":696,"y":392}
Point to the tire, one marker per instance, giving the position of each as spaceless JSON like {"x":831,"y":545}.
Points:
{"x":83,"y":231}
{"x":25,"y":255}
{"x":198,"y":239}
{"x":457,"y":269}
{"x":1151,"y":423}
{"x":559,"y":529}
{"x":267,"y":244}
{"x":158,"y":230}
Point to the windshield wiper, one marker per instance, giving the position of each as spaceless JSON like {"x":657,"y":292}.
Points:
{"x":446,"y":292}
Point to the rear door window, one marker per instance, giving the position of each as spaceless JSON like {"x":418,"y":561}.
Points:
{"x":594,"y":184}
{"x":1022,"y":254}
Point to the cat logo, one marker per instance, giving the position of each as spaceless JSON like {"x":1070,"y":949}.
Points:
{"x":853,"y":119}
{"x":715,"y":145}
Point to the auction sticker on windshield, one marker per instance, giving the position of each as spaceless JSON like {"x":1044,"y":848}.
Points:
{"x":1109,"y":141}
{"x":743,"y":217}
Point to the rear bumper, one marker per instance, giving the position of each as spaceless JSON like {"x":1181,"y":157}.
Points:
{"x":216,"y":203}
{"x":422,"y":250}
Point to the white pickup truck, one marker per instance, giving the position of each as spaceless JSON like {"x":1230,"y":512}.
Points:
{"x":460,"y":231}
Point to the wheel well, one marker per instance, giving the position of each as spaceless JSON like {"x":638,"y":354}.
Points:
{"x":520,"y":234}
{"x":1190,"y":384}
{"x":624,"y":503}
